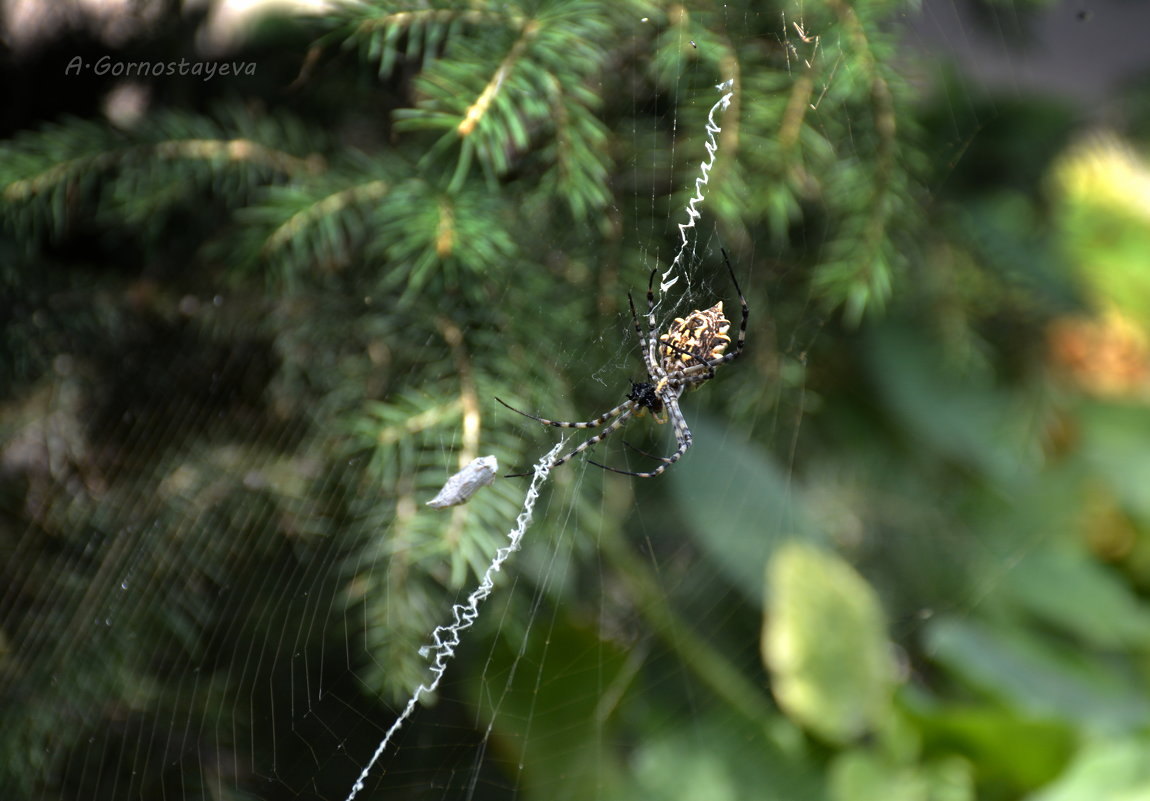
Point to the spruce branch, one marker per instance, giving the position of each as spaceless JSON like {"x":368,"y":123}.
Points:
{"x":477,"y":110}
{"x":51,"y":176}
{"x":295,"y":228}
{"x":496,"y":97}
{"x":868,"y":284}
{"x":314,"y":226}
{"x":431,"y":237}
{"x":41,"y":162}
{"x":389,"y":33}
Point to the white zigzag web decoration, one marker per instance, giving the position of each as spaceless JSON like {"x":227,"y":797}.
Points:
{"x":666,"y":281}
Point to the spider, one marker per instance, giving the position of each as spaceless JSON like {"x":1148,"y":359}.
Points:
{"x":685,"y":356}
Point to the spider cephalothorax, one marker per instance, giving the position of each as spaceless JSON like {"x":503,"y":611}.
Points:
{"x":645,"y":397}
{"x":685,"y":355}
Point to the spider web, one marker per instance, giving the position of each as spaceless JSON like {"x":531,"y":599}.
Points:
{"x":446,"y":638}
{"x":612,"y":648}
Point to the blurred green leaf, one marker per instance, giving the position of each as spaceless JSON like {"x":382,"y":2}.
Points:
{"x":1105,"y":770}
{"x":1010,"y":751}
{"x":709,"y":758}
{"x":1114,"y":438}
{"x":738,"y":524}
{"x":864,"y":775}
{"x":824,"y":642}
{"x":960,"y":414}
{"x":1067,"y":588}
{"x":1039,"y":675}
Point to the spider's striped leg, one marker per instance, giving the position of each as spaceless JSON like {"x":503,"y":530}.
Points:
{"x":598,"y":421}
{"x":646,"y":339}
{"x":682,"y":435}
{"x":642,"y":452}
{"x":620,"y":413}
{"x":602,"y":435}
{"x":652,"y":336}
{"x":704,"y":366}
{"x":746,"y":313}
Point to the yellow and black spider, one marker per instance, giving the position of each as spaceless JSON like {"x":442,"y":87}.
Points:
{"x":686,"y":355}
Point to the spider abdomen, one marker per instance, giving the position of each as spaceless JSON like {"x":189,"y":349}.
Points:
{"x":698,"y":338}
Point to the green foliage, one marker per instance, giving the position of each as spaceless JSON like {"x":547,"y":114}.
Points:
{"x":249,"y":333}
